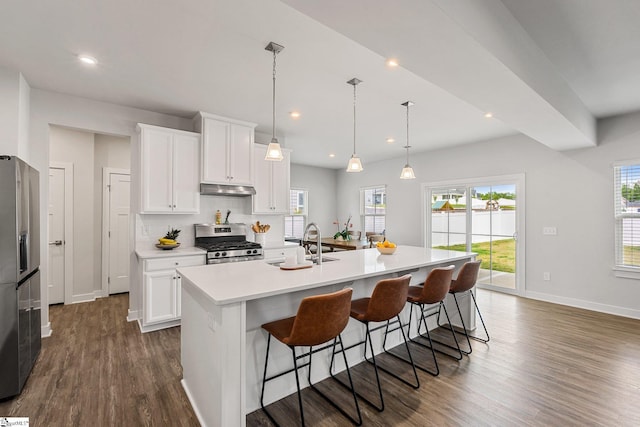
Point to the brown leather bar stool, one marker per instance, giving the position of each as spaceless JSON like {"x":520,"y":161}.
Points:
{"x":428,"y":298}
{"x":463,"y":285}
{"x":386,"y":302}
{"x":319,"y":319}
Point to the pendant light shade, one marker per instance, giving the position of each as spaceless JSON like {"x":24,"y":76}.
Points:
{"x":274,"y":152}
{"x":407,"y":170}
{"x":355,"y":165}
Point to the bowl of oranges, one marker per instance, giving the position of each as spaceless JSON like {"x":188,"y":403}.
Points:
{"x":386,"y":247}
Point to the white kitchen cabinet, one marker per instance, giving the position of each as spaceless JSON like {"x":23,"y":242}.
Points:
{"x":161,"y":290}
{"x":271,"y":182}
{"x":227,"y":150}
{"x":170,"y":175}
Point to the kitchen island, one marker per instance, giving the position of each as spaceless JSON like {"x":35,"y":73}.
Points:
{"x":224,"y":305}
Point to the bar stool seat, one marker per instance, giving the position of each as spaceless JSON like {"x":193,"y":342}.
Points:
{"x":463,"y":285}
{"x":319,"y":320}
{"x":386,"y":302}
{"x":428,"y":298}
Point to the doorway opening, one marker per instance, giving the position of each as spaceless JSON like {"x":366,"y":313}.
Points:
{"x":90,"y":155}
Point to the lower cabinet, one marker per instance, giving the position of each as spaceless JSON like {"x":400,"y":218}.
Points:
{"x":161,"y":290}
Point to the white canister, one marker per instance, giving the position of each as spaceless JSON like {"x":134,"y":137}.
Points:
{"x":260,"y":238}
{"x":300,"y":254}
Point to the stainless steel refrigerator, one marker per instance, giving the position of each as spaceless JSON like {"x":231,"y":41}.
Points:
{"x":19,"y":273}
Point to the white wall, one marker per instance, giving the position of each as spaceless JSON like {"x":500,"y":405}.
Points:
{"x":321,"y":185}
{"x":49,"y":108}
{"x":570,"y":190}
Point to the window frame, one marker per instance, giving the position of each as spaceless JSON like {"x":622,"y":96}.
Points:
{"x":363,"y":214}
{"x":292,"y":214}
{"x":620,"y":269}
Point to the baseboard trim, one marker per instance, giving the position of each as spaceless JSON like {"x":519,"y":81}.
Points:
{"x":46,"y":331}
{"x":193,"y":405}
{"x":158,"y":326}
{"x":99,"y":294}
{"x":587,"y":305}
{"x":132,"y":315}
{"x":83,"y":298}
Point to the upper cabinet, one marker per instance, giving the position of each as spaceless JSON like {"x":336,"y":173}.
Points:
{"x":170,"y":174}
{"x":271,"y":182}
{"x":227,"y":150}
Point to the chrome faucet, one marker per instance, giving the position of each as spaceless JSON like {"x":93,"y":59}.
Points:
{"x":305,"y":236}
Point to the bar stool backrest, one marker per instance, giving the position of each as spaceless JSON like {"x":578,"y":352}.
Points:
{"x":320,"y":318}
{"x":388,"y":298}
{"x":436,"y":285}
{"x":467,"y":277}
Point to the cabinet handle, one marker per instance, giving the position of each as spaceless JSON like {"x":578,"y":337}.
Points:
{"x":174,"y":277}
{"x":177,"y":263}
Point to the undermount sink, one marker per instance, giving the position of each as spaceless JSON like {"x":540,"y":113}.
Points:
{"x":315,"y":261}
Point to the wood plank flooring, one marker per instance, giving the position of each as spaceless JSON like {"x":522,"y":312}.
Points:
{"x":546,"y":365}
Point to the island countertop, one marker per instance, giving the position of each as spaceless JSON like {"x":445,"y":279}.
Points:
{"x":243,"y":281}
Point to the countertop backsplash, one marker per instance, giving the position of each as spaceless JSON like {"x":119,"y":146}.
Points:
{"x":150,"y":227}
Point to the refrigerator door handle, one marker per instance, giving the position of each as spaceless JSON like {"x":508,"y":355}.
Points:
{"x":23,"y":242}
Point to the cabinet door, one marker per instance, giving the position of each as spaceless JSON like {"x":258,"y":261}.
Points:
{"x":262,"y":184}
{"x":215,"y":143}
{"x":186,"y":174}
{"x":280,"y":176}
{"x":157,"y":166}
{"x":160,"y":303}
{"x":241,"y":155}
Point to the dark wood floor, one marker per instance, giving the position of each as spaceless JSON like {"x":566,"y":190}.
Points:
{"x":546,"y":365}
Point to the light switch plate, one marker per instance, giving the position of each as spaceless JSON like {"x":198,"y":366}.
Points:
{"x":549,"y":231}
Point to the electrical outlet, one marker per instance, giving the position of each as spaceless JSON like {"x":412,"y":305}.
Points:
{"x":546,"y":276}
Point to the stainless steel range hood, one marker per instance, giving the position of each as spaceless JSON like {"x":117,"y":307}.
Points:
{"x":226,"y":190}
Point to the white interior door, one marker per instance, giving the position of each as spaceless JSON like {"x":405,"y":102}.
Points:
{"x":56,"y":276}
{"x":118,"y":268}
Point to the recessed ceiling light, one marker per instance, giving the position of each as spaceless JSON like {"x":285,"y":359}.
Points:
{"x":86,"y":59}
{"x":332,"y":155}
{"x":392,"y":62}
{"x":488,"y":115}
{"x":294,"y":114}
{"x":390,"y":140}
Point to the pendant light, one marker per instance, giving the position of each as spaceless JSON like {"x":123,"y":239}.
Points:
{"x":354,"y":162}
{"x":274,"y":152}
{"x":407,"y":171}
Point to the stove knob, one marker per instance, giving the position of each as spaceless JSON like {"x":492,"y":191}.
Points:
{"x":217,"y":254}
{"x":224,"y":254}
{"x":249,"y":252}
{"x":255,"y":251}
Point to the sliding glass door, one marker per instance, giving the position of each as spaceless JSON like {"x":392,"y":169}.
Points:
{"x":481,"y":216}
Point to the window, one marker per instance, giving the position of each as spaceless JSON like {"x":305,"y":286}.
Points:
{"x":627,"y":216}
{"x":294,"y":223}
{"x":373,"y":205}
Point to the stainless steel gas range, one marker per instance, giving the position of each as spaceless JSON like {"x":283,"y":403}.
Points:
{"x":226,"y":243}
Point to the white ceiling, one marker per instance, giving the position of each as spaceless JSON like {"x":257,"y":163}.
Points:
{"x":545,"y":68}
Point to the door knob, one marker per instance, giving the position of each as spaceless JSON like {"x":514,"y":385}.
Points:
{"x":56,"y":243}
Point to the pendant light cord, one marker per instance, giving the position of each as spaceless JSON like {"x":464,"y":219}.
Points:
{"x":274,"y":96}
{"x":354,"y":119}
{"x":407,"y":147}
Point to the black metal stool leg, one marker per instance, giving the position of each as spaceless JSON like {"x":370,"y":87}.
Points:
{"x":481,"y":320}
{"x":464,"y":327}
{"x":406,"y":344}
{"x":414,"y":340}
{"x":295,"y":369}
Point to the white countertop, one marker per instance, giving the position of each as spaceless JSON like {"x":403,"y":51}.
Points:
{"x":279,"y":245}
{"x":162,"y":253}
{"x":241,"y":281}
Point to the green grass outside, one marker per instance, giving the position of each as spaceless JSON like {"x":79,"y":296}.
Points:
{"x":504,"y":254}
{"x":631,"y":255}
